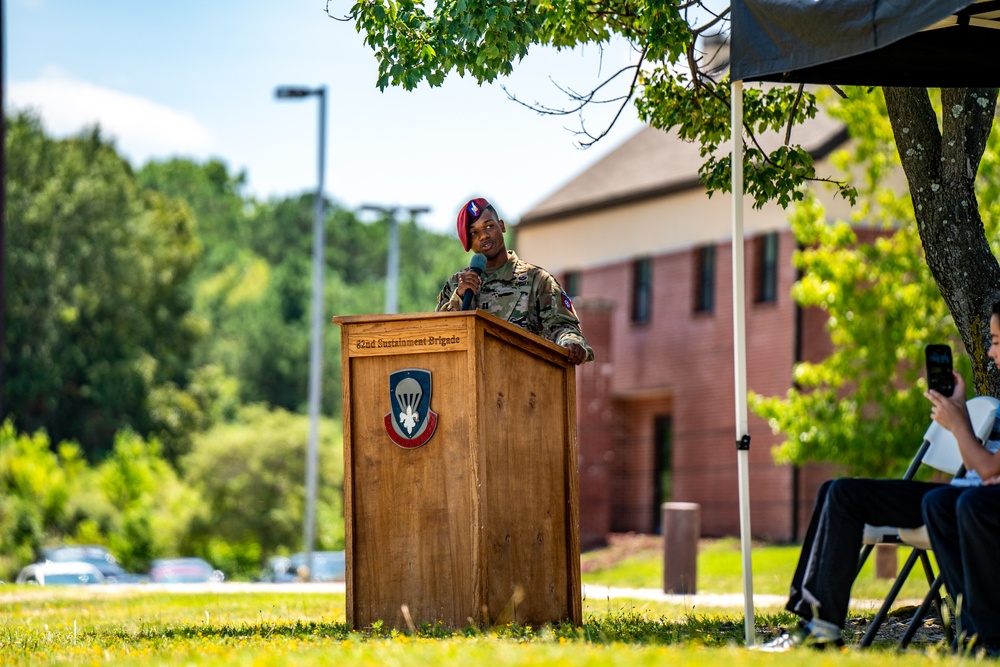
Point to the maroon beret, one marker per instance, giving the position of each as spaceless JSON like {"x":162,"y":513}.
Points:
{"x":469,"y":214}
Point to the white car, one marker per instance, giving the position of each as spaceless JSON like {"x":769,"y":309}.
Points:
{"x":97,"y":556}
{"x":60,"y":574}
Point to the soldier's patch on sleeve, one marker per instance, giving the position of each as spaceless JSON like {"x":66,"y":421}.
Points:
{"x":567,"y":302}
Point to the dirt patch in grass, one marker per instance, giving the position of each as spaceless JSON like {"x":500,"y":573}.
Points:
{"x":620,"y":546}
{"x":931,"y":631}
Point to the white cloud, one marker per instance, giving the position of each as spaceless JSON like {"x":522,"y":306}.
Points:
{"x":141,"y":128}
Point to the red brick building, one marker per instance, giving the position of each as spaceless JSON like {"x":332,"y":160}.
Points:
{"x":647,"y":257}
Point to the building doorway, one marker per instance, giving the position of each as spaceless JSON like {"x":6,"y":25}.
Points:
{"x":643,"y":451}
{"x":662,"y":467}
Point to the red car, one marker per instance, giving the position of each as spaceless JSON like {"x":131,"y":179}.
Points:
{"x":183,"y":571}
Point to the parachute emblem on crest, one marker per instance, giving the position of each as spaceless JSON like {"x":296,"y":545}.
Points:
{"x":410,"y":422}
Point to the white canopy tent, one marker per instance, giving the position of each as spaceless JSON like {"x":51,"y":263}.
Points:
{"x":921,"y":43}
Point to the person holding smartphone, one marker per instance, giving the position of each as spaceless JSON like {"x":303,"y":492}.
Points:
{"x":963,"y":522}
{"x":821,"y":585}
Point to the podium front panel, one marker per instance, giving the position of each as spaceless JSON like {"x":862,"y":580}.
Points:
{"x":414,"y":514}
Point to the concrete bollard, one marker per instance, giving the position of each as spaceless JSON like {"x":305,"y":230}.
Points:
{"x":886,"y":565}
{"x":681,"y":530}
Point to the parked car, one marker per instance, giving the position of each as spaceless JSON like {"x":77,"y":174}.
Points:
{"x":183,"y":571}
{"x":97,"y":556}
{"x":327,"y":566}
{"x":56,"y":574}
{"x":278,"y":571}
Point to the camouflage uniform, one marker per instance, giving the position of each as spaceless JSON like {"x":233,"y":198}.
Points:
{"x":525,"y":295}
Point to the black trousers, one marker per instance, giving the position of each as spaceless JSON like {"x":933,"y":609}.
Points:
{"x":964,"y":527}
{"x":828,"y":563}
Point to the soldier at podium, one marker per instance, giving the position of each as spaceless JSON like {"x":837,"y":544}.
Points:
{"x":511,"y":289}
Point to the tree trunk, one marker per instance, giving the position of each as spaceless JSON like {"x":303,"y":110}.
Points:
{"x":940,"y":163}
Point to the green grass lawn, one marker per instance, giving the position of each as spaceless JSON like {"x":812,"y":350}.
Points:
{"x":82,"y":626}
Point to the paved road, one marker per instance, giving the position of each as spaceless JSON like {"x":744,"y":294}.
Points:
{"x":591,"y":593}
{"x":596,"y":592}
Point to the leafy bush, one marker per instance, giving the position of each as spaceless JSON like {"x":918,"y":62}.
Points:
{"x":251,"y":475}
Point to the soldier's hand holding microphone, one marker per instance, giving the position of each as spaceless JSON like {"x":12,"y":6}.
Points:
{"x":470,"y":281}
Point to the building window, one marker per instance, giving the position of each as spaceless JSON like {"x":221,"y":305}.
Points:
{"x":571,"y":285}
{"x":704,"y":280}
{"x":642,"y":290}
{"x":766,"y":287}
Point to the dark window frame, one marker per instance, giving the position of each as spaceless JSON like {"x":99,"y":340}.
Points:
{"x":642,"y":290}
{"x":704,"y":279}
{"x":766,"y":281}
{"x":572,"y":280}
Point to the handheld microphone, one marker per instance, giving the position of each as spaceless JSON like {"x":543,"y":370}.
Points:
{"x":478,"y":264}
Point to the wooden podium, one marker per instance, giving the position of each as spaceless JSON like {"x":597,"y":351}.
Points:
{"x":476,"y":523}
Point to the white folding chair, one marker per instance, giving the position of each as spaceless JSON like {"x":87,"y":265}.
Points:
{"x":939,"y":450}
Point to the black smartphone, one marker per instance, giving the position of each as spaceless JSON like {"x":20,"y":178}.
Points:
{"x":939,"y":375}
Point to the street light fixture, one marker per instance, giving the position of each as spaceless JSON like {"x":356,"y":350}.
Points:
{"x":392,"y":261}
{"x":298,"y":91}
{"x":316,"y":343}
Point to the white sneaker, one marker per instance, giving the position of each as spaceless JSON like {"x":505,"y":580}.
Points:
{"x":798,"y":637}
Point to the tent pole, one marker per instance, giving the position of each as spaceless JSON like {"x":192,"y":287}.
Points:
{"x":740,"y":366}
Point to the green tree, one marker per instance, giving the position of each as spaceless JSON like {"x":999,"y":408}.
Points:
{"x":154,"y":510}
{"x":34,"y":491}
{"x":223,"y":211}
{"x":883,"y":307}
{"x":133,"y":501}
{"x":98,"y":303}
{"x":415,"y":42}
{"x":252,"y":476}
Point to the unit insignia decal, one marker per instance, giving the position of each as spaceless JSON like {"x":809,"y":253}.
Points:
{"x":410,"y":422}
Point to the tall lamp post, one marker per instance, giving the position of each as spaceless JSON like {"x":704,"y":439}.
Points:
{"x":392,"y":260}
{"x":316,"y":343}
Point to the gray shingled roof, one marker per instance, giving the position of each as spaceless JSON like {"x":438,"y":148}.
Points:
{"x":653,"y":163}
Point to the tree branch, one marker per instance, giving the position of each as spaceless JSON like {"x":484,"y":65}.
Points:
{"x":749,"y":132}
{"x":345,"y":18}
{"x":791,"y":114}
{"x":702,"y":29}
{"x":966,"y":123}
{"x":583,"y":100}
{"x":914,"y":125}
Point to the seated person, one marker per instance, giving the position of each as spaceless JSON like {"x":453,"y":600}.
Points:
{"x":963,"y":521}
{"x":821,"y":586}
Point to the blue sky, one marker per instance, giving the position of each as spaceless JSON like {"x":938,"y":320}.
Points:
{"x":196,"y":78}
